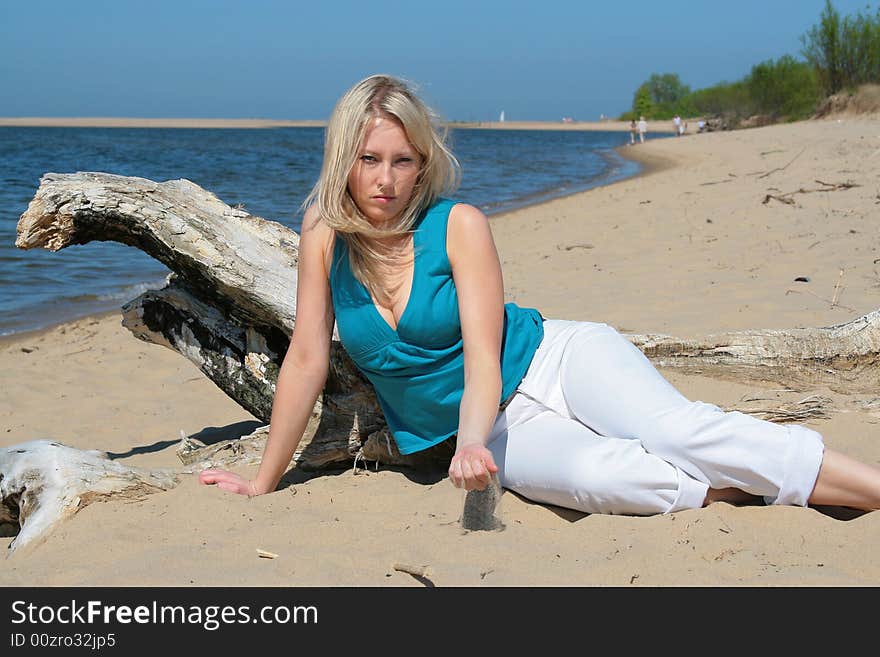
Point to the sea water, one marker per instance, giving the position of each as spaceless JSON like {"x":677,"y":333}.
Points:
{"x":269,"y":172}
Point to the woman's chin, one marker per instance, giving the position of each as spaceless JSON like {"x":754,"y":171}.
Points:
{"x":381,"y":219}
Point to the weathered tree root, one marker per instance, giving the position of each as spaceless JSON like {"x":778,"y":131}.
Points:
{"x":845,"y":357}
{"x":42,"y":482}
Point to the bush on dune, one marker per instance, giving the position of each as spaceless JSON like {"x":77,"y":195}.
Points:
{"x":840,"y":72}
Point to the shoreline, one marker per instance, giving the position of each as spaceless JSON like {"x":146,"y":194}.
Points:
{"x":29,"y":335}
{"x":714,"y":186}
{"x":256,"y":123}
{"x":647,"y":163}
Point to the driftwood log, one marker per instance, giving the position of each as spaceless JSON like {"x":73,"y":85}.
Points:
{"x":229,"y":306}
{"x":230,"y":303}
{"x":42,"y":482}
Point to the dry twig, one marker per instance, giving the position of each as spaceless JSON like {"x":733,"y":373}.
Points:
{"x":829,"y":187}
{"x":837,"y":290}
{"x":415,"y":571}
{"x":782,"y":168}
{"x":420,"y":573}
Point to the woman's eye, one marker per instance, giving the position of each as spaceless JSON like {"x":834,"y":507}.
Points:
{"x":369,"y":159}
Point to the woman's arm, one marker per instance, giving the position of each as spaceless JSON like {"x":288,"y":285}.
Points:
{"x":476,"y":270}
{"x":303,"y":371}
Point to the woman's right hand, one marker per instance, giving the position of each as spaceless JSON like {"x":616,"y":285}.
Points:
{"x":472,"y":467}
{"x":228,"y":481}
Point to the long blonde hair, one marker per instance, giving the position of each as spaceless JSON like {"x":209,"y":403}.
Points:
{"x":372,"y":97}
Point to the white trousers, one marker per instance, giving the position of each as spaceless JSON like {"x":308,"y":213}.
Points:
{"x":596,"y":428}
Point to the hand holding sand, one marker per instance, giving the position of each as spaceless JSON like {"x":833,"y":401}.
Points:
{"x":472,"y":467}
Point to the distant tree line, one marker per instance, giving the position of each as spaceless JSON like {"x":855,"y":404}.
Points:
{"x":839,"y":55}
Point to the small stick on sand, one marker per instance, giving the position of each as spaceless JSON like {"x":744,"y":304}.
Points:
{"x":786,"y":198}
{"x":829,"y":301}
{"x":415,"y":571}
{"x":836,"y":290}
{"x":783,"y":168}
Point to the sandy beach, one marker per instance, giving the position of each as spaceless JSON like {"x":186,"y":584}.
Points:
{"x":688,"y":248}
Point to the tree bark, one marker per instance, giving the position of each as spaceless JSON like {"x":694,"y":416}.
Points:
{"x":845,"y":357}
{"x":229,"y":305}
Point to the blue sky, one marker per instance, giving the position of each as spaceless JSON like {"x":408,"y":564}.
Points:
{"x":292,"y":60}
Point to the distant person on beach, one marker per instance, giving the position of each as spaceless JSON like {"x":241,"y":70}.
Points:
{"x":676,"y":125}
{"x":643,"y":129}
{"x":568,"y":413}
{"x":632,"y":131}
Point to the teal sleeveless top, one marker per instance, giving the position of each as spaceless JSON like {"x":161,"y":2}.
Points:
{"x":417,"y":370}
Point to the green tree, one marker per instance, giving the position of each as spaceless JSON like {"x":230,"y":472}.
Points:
{"x":845,"y":52}
{"x":860,"y":49}
{"x":822,"y":49}
{"x":785,"y":88}
{"x":666,"y":89}
{"x":661,"y":96}
{"x":731,"y":99}
{"x":642,"y":103}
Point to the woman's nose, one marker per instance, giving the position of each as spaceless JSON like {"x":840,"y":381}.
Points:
{"x":384,"y":175}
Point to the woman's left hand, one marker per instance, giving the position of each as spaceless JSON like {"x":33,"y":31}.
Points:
{"x":228,"y":481}
{"x":472,"y":467}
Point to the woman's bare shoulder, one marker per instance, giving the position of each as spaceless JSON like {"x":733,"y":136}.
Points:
{"x":466,"y":212}
{"x":464,"y":219}
{"x":468,"y":234}
{"x":313,"y":227}
{"x":316,"y":234}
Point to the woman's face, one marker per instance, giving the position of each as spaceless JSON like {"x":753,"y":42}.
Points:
{"x":385,"y":172}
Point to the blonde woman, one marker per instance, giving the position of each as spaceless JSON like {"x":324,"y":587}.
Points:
{"x":565,"y":413}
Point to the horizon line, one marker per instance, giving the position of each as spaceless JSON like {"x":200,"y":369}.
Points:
{"x":170,"y":122}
